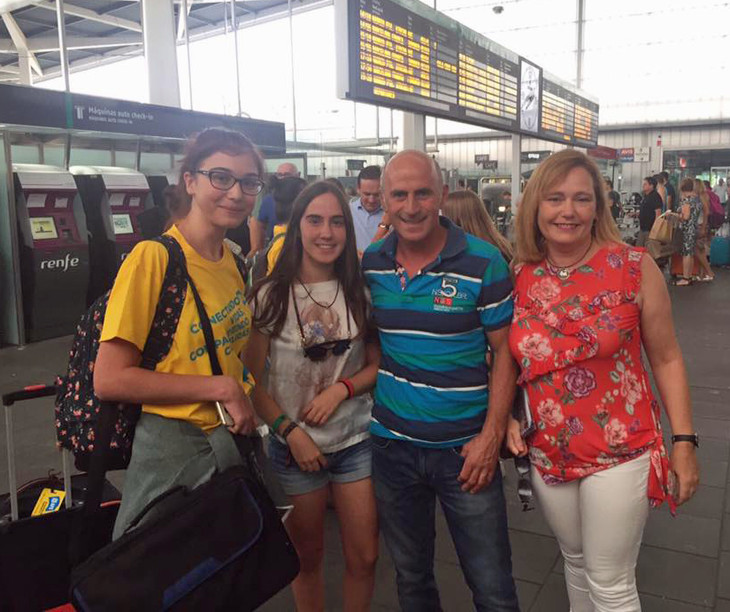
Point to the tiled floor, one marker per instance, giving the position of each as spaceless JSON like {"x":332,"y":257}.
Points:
{"x":684,"y":564}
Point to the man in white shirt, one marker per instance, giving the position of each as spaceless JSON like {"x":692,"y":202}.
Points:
{"x":367,"y":211}
{"x":721,"y":191}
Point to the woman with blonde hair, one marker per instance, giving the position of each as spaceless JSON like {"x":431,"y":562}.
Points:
{"x":705,"y":272}
{"x":467,"y":211}
{"x":585,"y":304}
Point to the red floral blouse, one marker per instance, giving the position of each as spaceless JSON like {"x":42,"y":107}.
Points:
{"x":578,"y":344}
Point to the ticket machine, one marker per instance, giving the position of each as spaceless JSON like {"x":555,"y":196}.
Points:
{"x":113,"y":198}
{"x":54,"y":254}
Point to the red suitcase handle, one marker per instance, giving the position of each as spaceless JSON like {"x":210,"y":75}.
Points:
{"x":28,"y":393}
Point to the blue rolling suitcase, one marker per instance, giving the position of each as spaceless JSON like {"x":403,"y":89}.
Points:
{"x":720,"y":251}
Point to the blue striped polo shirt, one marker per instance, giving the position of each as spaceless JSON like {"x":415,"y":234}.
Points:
{"x":432,"y":382}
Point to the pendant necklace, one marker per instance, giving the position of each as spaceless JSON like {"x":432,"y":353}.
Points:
{"x":309,"y":294}
{"x":564,"y":272}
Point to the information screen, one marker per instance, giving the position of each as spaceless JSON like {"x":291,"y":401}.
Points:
{"x":122,"y":224}
{"x":567,"y":116}
{"x":585,"y":125}
{"x":402,"y":59}
{"x":403,"y":54}
{"x":558,"y":112}
{"x":43,"y":228}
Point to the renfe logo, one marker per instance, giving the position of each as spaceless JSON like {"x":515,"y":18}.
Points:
{"x":60,"y":264}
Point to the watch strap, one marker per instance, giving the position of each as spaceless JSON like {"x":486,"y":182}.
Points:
{"x":288,"y":429}
{"x":694,"y":438}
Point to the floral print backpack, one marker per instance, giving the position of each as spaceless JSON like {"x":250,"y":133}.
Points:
{"x":77,"y":406}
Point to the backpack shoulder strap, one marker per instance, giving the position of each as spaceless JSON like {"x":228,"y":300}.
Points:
{"x":242,"y":266}
{"x":260,"y":265}
{"x":169,"y":305}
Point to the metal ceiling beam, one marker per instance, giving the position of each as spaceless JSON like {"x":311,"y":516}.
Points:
{"x":348,"y":148}
{"x":21,"y":42}
{"x":12,"y":5}
{"x":182,"y":19}
{"x":42,"y":44}
{"x":77,"y":11}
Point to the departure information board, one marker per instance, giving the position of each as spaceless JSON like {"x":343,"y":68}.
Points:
{"x":403,"y":54}
{"x":401,"y":58}
{"x":566,"y":116}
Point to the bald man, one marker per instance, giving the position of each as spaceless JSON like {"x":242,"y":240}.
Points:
{"x":263,"y":219}
{"x":439,"y":296}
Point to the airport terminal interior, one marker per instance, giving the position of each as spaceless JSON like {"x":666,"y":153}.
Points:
{"x":98,"y":98}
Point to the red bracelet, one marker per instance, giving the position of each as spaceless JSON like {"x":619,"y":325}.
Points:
{"x":350,"y":387}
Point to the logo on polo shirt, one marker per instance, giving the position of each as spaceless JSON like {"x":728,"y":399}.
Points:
{"x":444,"y":296}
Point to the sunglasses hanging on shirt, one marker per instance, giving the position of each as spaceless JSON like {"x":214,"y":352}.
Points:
{"x":319,"y":351}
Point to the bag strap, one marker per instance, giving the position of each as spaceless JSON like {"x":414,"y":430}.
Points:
{"x":261,"y":260}
{"x":172,"y":295}
{"x":155,"y":349}
{"x":207,"y":329}
{"x":244,"y":444}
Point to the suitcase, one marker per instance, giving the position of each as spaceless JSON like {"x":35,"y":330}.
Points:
{"x":676,"y":266}
{"x":720,"y":251}
{"x":35,"y":561}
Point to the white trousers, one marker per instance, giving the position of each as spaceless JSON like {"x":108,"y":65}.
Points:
{"x":598,"y":522}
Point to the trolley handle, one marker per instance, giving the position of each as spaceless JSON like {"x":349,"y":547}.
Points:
{"x":28,"y":393}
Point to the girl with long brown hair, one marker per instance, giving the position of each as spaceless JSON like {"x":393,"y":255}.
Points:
{"x":310,"y":321}
{"x":467,"y":211}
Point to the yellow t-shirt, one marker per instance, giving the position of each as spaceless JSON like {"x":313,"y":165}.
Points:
{"x":272,"y":255}
{"x":132,"y":305}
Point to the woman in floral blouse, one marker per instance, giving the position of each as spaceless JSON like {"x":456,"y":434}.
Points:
{"x":585,"y":303}
{"x":690,"y":210}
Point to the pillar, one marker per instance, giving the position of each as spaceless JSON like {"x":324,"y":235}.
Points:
{"x":414,"y":131}
{"x":160,"y":52}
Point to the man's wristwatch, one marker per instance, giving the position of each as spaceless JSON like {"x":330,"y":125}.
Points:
{"x":694,"y":438}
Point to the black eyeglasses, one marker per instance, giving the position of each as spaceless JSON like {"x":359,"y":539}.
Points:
{"x":224,"y":180}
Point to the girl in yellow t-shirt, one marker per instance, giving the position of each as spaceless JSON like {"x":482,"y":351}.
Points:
{"x":179,"y":440}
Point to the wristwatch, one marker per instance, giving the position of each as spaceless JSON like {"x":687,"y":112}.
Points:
{"x":694,"y":438}
{"x":384,"y":226}
{"x":288,"y":429}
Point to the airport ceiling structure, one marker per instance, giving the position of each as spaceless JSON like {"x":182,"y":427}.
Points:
{"x":102,"y":31}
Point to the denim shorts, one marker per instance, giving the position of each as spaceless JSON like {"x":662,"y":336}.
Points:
{"x":347,"y":465}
